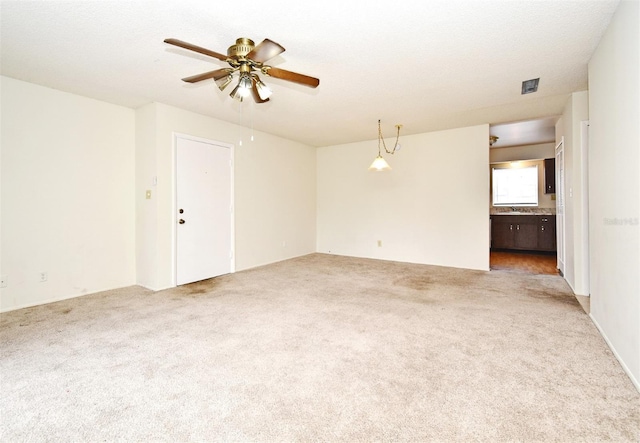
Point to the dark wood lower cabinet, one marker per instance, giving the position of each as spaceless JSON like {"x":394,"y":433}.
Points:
{"x":523,"y":232}
{"x":547,"y":233}
{"x":526,"y":235}
{"x":501,"y":235}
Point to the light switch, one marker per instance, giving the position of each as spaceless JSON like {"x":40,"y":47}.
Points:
{"x":148,"y":195}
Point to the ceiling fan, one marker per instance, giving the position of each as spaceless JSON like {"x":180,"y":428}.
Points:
{"x":246,"y":58}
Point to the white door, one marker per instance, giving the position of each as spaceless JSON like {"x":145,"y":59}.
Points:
{"x":203,"y":204}
{"x":560,"y":204}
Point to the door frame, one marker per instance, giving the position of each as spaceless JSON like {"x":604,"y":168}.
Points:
{"x":174,"y":200}
{"x":560,"y":208}
{"x":584,"y":167}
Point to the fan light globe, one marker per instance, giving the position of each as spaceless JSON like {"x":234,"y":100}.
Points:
{"x":242,"y":89}
{"x":264,"y":92}
{"x":245,"y":86}
{"x":224,"y":81}
{"x":236,"y":94}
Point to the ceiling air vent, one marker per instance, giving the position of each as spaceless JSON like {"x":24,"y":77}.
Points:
{"x":529,"y":86}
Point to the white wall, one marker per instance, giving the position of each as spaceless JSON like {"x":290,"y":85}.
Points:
{"x":275,"y":192}
{"x":430,"y":208}
{"x":569,"y":125}
{"x":146,"y":209}
{"x":67,"y":195}
{"x":614,"y":186}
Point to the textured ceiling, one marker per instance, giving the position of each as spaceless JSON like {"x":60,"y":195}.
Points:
{"x":428,"y":65}
{"x":529,"y":132}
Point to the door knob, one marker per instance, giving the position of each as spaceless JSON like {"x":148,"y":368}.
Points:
{"x":181,"y":211}
{"x":181,"y":221}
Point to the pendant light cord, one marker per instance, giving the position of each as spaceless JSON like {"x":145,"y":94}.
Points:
{"x":381,"y":140}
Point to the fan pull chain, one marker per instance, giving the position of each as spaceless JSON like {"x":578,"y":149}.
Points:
{"x":252,"y":106}
{"x":241,"y":122}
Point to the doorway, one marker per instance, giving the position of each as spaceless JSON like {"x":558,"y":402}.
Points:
{"x":529,"y":243}
{"x":204,"y":209}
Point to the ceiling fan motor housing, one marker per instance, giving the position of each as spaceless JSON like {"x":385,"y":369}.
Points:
{"x":242,"y":47}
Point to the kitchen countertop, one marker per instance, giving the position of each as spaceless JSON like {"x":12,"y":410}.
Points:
{"x":522,"y":211}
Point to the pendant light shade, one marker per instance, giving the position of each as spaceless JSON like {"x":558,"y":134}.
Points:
{"x":379,"y":164}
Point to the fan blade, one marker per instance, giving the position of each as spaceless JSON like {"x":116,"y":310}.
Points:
{"x":292,"y":76}
{"x":216,"y":75}
{"x":265,"y":51}
{"x":189,"y":46}
{"x":256,"y":96}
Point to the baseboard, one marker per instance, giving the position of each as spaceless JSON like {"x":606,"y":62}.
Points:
{"x":57,"y":299}
{"x":273,"y":262}
{"x":161,"y":288}
{"x":635,"y":382}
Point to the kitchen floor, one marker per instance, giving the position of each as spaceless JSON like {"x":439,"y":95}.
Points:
{"x":529,"y":262}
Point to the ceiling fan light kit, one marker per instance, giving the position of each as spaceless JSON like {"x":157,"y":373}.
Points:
{"x":246,"y":58}
{"x":379,"y":163}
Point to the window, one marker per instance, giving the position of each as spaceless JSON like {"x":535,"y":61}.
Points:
{"x":515,"y":186}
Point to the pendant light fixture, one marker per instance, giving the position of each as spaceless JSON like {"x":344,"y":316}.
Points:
{"x":380,"y":164}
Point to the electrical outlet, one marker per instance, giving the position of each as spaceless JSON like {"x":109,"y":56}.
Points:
{"x":379,"y":243}
{"x":3,"y":281}
{"x":284,"y":244}
{"x":43,"y":276}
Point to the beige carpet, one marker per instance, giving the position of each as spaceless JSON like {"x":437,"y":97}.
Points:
{"x":318,"y":348}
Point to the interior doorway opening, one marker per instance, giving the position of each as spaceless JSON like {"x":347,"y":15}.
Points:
{"x":523,"y":231}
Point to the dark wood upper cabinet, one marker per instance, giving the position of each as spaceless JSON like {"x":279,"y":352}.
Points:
{"x":549,"y":175}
